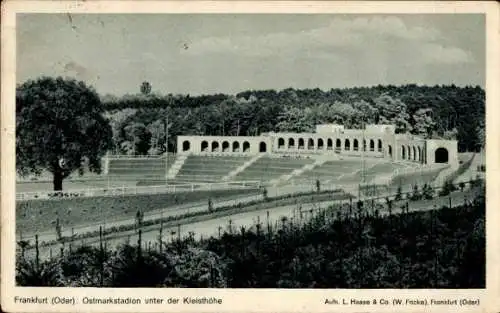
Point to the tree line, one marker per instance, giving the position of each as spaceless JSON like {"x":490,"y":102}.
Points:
{"x":448,"y":112}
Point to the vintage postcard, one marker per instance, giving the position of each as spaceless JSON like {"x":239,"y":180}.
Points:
{"x":250,"y":156}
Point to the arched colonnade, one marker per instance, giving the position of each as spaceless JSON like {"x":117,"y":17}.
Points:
{"x":333,"y":144}
{"x":236,"y":146}
{"x":411,"y":152}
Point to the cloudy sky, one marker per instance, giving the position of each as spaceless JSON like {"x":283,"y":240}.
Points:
{"x":230,"y":53}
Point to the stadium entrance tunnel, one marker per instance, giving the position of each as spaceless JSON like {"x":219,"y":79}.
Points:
{"x":441,"y":155}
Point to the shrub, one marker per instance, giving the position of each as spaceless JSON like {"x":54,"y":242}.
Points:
{"x":416,"y":195}
{"x":427,"y":192}
{"x":398,"y":193}
{"x":448,"y":187}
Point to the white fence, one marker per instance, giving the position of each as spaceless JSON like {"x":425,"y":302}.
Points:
{"x":120,"y":191}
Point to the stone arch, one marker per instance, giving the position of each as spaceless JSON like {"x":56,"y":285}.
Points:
{"x":347,"y":145}
{"x":236,"y":146}
{"x":355,"y":145}
{"x":414,"y":153}
{"x":372,"y":145}
{"x":186,"y":145}
{"x":246,"y":146}
{"x":403,"y":152}
{"x":338,"y":144}
{"x":379,"y":145}
{"x":441,"y":155}
{"x":320,"y":144}
{"x":364,"y":144}
{"x":310,"y":144}
{"x":215,"y":146}
{"x":419,"y":151}
{"x":301,"y":143}
{"x":329,"y":144}
{"x":281,"y":143}
{"x":262,"y":147}
{"x":291,"y":143}
{"x":390,"y":150}
{"x":204,"y":146}
{"x":408,"y":150}
{"x":225,"y":146}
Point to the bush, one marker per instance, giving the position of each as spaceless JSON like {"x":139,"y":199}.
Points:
{"x":398,"y":193}
{"x":416,"y":195}
{"x":448,"y":187}
{"x":427,"y":192}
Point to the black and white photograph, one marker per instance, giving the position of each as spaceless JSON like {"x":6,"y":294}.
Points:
{"x":250,"y":151}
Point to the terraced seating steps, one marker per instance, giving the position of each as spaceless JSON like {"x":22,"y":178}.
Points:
{"x":267,"y":168}
{"x":207,"y":169}
{"x":332,"y":169}
{"x":416,"y":178}
{"x":153,"y":167}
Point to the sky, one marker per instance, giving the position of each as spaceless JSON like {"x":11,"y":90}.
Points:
{"x":212,"y":53}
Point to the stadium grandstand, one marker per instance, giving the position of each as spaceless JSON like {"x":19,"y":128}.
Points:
{"x":333,"y":154}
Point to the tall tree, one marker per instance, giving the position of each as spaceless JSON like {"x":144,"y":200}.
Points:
{"x":450,"y":134}
{"x":424,"y":125}
{"x":60,"y":127}
{"x":140,"y":138}
{"x":145,"y":88}
{"x":364,"y":112}
{"x":481,"y":135}
{"x":292,"y":120}
{"x":393,"y":111}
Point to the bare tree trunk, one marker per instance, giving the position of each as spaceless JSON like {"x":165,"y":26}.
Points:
{"x":57,"y":180}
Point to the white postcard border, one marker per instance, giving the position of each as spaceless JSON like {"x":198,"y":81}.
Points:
{"x":259,"y":300}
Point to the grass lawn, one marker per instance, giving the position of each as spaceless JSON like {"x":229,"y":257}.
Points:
{"x":40,"y":215}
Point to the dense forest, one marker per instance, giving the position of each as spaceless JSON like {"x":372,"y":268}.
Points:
{"x":139,"y":121}
{"x":338,"y":247}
